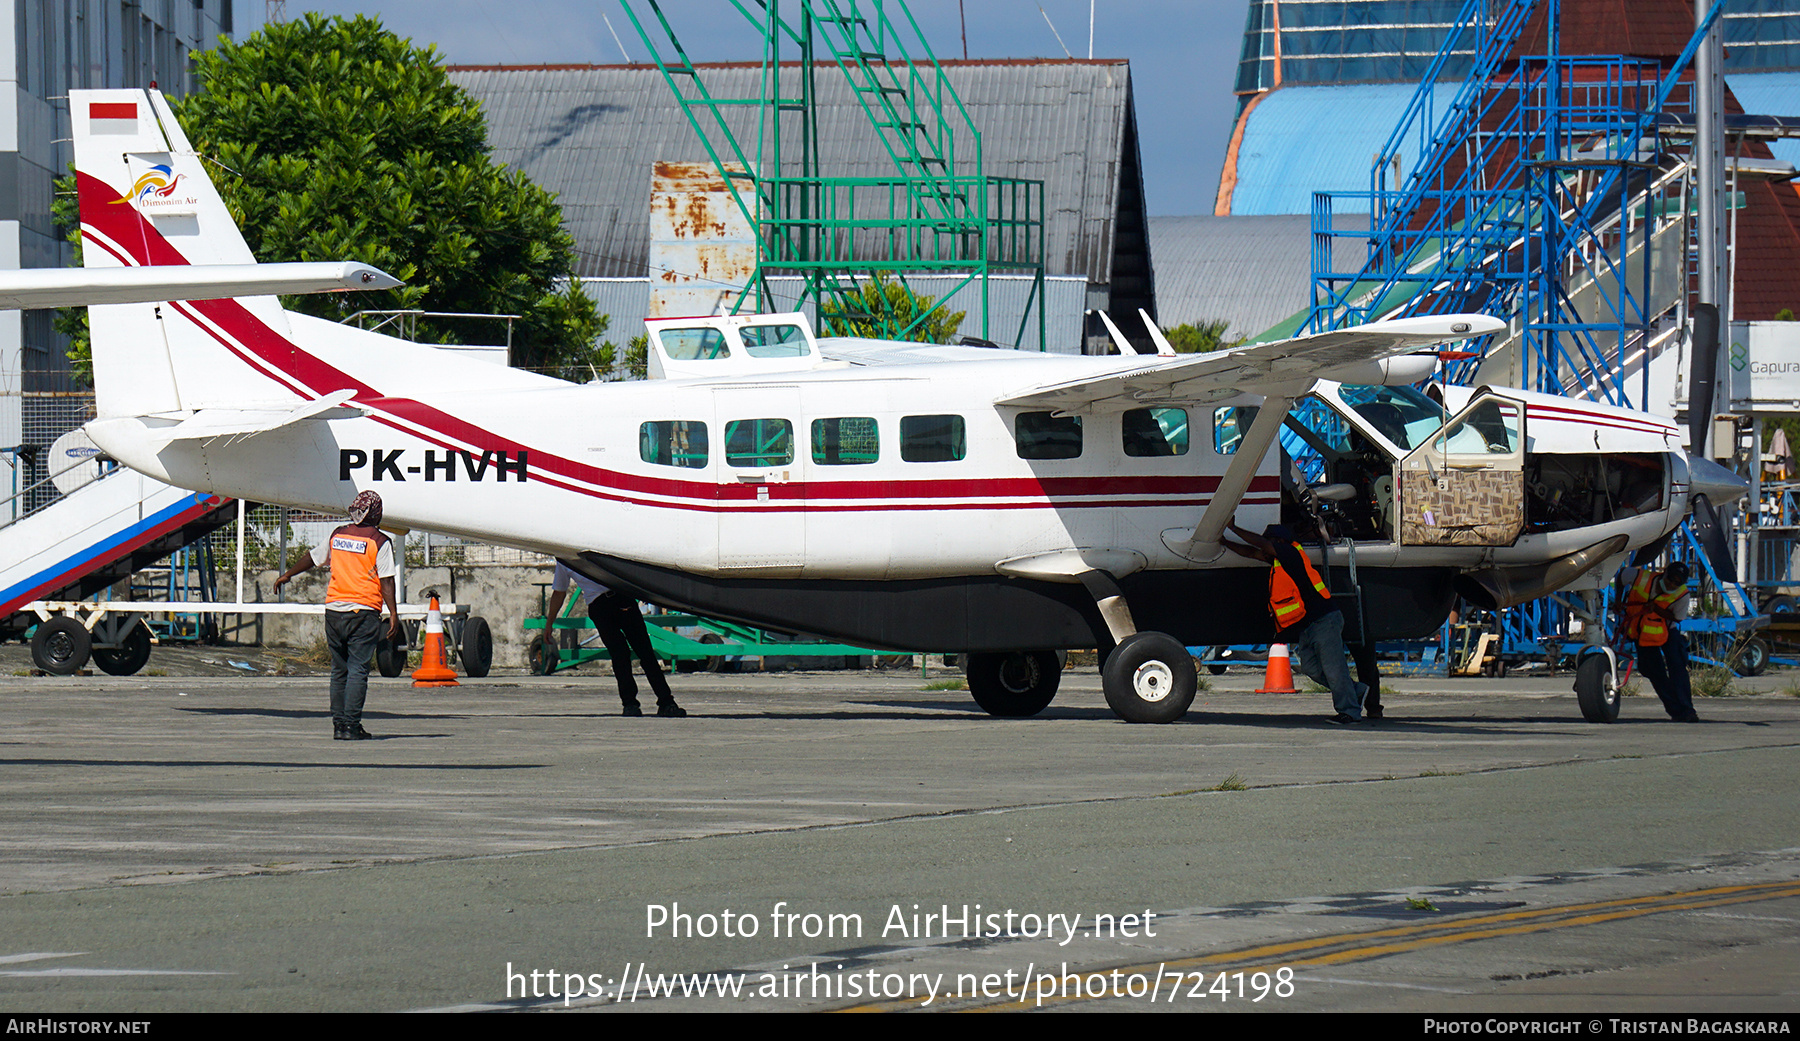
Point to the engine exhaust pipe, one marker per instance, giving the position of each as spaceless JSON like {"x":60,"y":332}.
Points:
{"x":1496,"y":587}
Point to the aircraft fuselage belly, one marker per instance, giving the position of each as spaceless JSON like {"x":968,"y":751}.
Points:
{"x":996,"y":613}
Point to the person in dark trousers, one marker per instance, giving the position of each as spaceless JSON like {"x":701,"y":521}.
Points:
{"x":361,"y":559}
{"x":1655,"y":603}
{"x":1368,"y":673}
{"x":622,"y":630}
{"x":1305,"y":618}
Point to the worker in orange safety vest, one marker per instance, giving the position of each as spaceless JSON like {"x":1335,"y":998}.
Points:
{"x":361,"y":559}
{"x":1305,"y":618}
{"x":1655,"y":603}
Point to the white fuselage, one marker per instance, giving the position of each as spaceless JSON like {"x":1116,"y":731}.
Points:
{"x":771,"y":511}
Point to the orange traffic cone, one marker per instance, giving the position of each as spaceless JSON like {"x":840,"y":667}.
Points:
{"x":434,"y":670}
{"x":1278,"y":678}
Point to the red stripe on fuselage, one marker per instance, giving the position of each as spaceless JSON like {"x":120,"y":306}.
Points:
{"x":1557,"y":414}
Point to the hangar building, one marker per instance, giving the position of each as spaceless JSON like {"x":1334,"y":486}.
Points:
{"x":590,"y":133}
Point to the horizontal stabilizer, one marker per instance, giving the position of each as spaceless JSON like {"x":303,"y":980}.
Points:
{"x":77,"y":287}
{"x":1286,"y":367}
{"x":237,"y":423}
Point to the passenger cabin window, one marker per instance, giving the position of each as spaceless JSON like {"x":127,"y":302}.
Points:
{"x":759,"y":442}
{"x":693,"y":344}
{"x":848,"y":441}
{"x":1155,"y":431}
{"x":774,"y":341}
{"x":673,"y":442}
{"x":1045,"y":435}
{"x":1230,"y":424}
{"x":932,"y":439}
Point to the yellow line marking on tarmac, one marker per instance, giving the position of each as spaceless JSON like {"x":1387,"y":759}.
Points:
{"x":1367,"y":944}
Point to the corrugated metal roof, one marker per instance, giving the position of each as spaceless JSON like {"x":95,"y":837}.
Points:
{"x":589,"y":134}
{"x":1300,"y":140}
{"x":625,"y":301}
{"x":1252,"y":272}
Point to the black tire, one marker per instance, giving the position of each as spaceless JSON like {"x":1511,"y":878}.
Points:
{"x":390,"y":657}
{"x":716,"y":663}
{"x":1014,"y":683}
{"x":1781,"y":605}
{"x":131,"y":655}
{"x":1149,"y":678}
{"x":1595,"y":690}
{"x":540,"y":657}
{"x":1752,"y":658}
{"x":713,"y":663}
{"x":1216,"y":670}
{"x":477,"y":647}
{"x":61,"y":646}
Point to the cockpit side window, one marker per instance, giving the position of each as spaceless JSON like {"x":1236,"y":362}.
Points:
{"x":1401,"y":414}
{"x":1491,"y":428}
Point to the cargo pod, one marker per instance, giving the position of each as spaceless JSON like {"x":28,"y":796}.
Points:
{"x":1466,"y":486}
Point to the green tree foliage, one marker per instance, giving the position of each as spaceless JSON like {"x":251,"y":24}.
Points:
{"x":1199,"y":339}
{"x":334,"y":139}
{"x":884,"y":308}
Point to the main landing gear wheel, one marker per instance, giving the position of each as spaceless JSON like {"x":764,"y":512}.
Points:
{"x":1013,"y":683}
{"x":127,"y":658}
{"x":1149,"y":678}
{"x":61,"y":646}
{"x":1596,"y":689}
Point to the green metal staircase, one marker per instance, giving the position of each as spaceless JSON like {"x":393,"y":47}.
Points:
{"x":935,"y":211}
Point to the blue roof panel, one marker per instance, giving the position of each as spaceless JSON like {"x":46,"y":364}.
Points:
{"x":1299,"y":140}
{"x":1770,"y":94}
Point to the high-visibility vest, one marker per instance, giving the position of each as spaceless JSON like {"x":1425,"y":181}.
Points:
{"x":353,"y":577}
{"x":1284,"y":596}
{"x":1650,"y":628}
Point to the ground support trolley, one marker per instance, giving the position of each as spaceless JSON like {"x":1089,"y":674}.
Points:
{"x":577,"y":642}
{"x":113,"y":633}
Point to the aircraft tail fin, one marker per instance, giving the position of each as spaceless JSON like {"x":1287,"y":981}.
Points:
{"x":234,"y":365}
{"x":147,"y":199}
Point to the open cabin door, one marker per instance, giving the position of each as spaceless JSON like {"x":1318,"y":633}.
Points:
{"x":1466,"y":486}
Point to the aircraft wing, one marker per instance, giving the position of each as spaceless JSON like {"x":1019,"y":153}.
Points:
{"x":79,"y":286}
{"x":1356,"y":355}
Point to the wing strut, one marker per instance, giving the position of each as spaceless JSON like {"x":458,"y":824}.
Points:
{"x":1203,"y":543}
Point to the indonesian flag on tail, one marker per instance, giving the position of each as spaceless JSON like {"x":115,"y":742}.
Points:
{"x":113,"y":117}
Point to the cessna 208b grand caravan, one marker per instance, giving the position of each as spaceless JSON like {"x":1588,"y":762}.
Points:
{"x":998,"y":503}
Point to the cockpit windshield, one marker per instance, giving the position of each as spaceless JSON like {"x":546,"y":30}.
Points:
{"x":1401,"y":414}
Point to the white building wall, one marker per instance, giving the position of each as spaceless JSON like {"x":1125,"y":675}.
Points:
{"x":46,"y":48}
